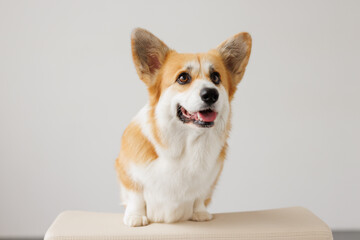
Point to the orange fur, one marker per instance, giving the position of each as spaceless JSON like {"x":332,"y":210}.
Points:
{"x":166,"y":76}
{"x":136,"y":148}
{"x":159,"y":67}
{"x":174,"y":65}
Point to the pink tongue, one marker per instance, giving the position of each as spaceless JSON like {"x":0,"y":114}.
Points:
{"x":208,"y":116}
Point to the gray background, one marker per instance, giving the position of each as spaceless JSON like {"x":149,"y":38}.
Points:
{"x":68,"y":89}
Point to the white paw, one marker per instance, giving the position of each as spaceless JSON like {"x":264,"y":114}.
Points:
{"x":201,"y":216}
{"x":135,"y":220}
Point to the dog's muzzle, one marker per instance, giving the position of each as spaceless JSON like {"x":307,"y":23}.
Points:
{"x":204,"y":118}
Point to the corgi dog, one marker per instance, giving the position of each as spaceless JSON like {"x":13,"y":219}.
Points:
{"x":173,"y":151}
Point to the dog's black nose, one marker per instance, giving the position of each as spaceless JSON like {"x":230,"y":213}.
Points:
{"x":209,"y":95}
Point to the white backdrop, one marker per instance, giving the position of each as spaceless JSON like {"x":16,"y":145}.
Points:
{"x":68,"y":89}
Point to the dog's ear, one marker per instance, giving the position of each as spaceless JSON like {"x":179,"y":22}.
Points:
{"x":235,"y":53}
{"x":149,"y":54}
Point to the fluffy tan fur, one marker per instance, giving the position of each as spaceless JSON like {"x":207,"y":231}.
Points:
{"x":158,"y":67}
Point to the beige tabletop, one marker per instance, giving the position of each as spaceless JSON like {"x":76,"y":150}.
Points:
{"x":295,"y":223}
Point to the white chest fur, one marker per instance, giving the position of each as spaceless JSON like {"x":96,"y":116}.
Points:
{"x":184,"y":171}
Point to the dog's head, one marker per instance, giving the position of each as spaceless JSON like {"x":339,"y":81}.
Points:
{"x":191,"y":89}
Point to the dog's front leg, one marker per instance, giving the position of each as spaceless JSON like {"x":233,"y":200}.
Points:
{"x":200,"y":213}
{"x":135,"y":213}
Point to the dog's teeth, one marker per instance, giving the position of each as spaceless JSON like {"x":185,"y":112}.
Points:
{"x":199,"y":117}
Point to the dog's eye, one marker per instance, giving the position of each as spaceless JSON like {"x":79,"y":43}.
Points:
{"x":183,"y":78}
{"x":215,"y":77}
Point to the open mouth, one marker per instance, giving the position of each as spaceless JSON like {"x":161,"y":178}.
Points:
{"x":204,"y":118}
